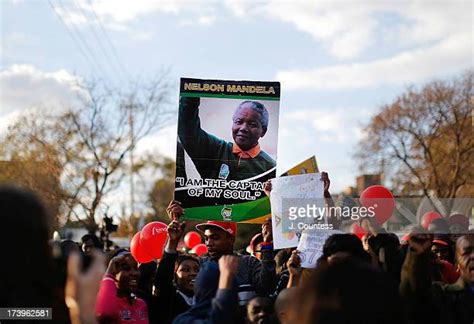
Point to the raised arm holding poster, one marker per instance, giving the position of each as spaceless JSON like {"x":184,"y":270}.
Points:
{"x":290,"y":198}
{"x":227,"y":142}
{"x":307,"y":166}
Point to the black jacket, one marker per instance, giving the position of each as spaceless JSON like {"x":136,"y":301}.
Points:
{"x":167,"y":302}
{"x":433,"y":302}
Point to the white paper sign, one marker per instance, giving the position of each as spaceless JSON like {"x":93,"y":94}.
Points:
{"x":311,"y":246}
{"x":292,"y":190}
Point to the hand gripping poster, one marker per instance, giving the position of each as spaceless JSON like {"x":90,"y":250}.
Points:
{"x":227,"y":148}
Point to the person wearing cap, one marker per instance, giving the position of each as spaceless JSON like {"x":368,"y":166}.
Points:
{"x":435,"y":302}
{"x":254,"y":277}
{"x":442,"y":248}
{"x":256,"y":245}
{"x":443,"y":269}
{"x":215,"y":158}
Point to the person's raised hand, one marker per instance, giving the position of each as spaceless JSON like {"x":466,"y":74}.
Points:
{"x":365,"y":242}
{"x":175,"y":230}
{"x":195,"y":101}
{"x":294,"y":263}
{"x":174,"y":210}
{"x":420,"y":240}
{"x":326,"y":182}
{"x":228,"y":265}
{"x":115,"y":265}
{"x":370,"y":226}
{"x":268,"y":187}
{"x":81,"y":288}
{"x":267,"y":230}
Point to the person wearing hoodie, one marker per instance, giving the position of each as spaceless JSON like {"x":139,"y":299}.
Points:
{"x":215,"y":294}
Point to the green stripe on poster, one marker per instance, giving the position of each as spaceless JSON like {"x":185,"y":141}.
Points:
{"x":211,"y":95}
{"x":239,"y":212}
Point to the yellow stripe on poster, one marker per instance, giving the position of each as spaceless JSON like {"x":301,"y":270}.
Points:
{"x":259,"y":220}
{"x":307,"y":166}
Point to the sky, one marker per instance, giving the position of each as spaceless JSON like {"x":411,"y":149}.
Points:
{"x":337,"y":61}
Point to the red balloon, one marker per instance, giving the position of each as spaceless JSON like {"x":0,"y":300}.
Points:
{"x":137,"y":250}
{"x":427,"y":218}
{"x":380,"y":200}
{"x":153,"y":238}
{"x":358,"y":230}
{"x":191,"y":239}
{"x":199,"y":249}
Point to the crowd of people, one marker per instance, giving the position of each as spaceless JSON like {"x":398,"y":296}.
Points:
{"x":427,"y":277}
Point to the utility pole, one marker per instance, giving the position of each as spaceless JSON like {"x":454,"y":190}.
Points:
{"x":382,"y":171}
{"x":141,"y":222}
{"x":132,"y":143}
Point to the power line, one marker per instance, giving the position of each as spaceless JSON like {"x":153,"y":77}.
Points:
{"x":112,"y":63}
{"x":86,"y":45}
{"x":76,"y":41}
{"x":107,"y":38}
{"x":81,"y":41}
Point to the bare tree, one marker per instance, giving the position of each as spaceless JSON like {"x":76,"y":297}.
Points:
{"x":38,"y":171}
{"x":162,"y":190}
{"x":425,"y":139}
{"x":92,"y":139}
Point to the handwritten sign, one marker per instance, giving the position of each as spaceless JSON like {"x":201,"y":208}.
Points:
{"x":311,"y":246}
{"x":292,"y":191}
